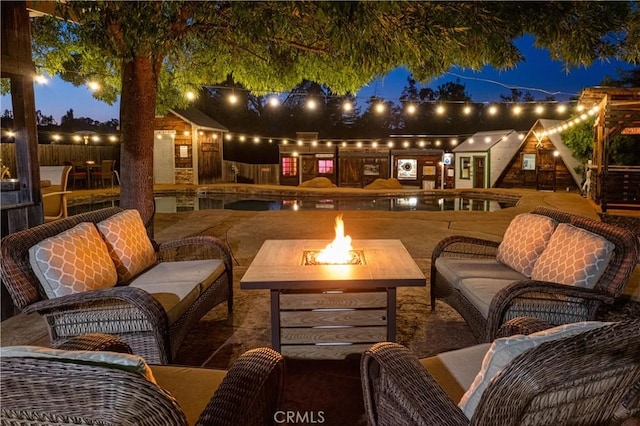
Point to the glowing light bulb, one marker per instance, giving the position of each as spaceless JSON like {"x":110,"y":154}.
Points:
{"x":411,"y":109}
{"x":93,"y":86}
{"x":233,"y":99}
{"x":539,"y":109}
{"x":380,"y":107}
{"x":466,"y":110}
{"x":274,"y":101}
{"x":190,"y":95}
{"x":347,"y":106}
{"x":517,"y":109}
{"x":440,"y":109}
{"x":311,"y":104}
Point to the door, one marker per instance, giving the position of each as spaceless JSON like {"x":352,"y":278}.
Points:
{"x":309,"y":168}
{"x":478,"y":172}
{"x":163,"y":158}
{"x":546,"y":170}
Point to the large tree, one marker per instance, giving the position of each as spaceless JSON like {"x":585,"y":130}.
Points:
{"x":151,"y":52}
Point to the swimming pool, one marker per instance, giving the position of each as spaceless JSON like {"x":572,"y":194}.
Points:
{"x":177,"y":203}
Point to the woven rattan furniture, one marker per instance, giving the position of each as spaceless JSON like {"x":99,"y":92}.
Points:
{"x":49,"y":391}
{"x":586,"y":379}
{"x":130,"y":313}
{"x":552,"y":302}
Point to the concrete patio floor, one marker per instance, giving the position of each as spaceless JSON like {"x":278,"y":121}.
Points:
{"x":245,"y":231}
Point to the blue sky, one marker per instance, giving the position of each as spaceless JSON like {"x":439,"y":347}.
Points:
{"x":538,"y":74}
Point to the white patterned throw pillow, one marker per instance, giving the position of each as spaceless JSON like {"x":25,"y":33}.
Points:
{"x":574,"y":256}
{"x":73,"y":261}
{"x":524,"y":240}
{"x":128,"y":243}
{"x":506,"y":349}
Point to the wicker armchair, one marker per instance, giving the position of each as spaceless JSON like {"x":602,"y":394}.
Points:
{"x":128,"y":312}
{"x":552,"y":302}
{"x":589,"y":378}
{"x":49,"y":391}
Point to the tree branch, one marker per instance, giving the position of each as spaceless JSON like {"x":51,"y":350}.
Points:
{"x":300,"y":46}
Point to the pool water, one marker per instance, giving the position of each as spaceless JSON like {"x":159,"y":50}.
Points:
{"x":173,"y":204}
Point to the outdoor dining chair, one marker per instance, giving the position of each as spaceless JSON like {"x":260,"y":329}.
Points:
{"x":54,"y":201}
{"x":106,"y":173}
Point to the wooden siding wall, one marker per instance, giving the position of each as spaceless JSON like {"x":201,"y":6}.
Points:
{"x":515,"y":177}
{"x":210,"y":157}
{"x":171,"y":122}
{"x":56,"y":155}
{"x":351,"y":168}
{"x":262,"y":174}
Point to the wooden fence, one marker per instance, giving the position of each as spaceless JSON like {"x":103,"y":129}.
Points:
{"x":263,"y":174}
{"x":56,"y":155}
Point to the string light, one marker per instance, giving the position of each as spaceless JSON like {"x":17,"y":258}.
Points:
{"x":466,"y":110}
{"x":233,"y":99}
{"x":94,"y":86}
{"x":40,"y":79}
{"x":311,"y":104}
{"x":347,"y":106}
{"x":411,"y":109}
{"x":380,"y":107}
{"x":190,"y":95}
{"x":274,"y":101}
{"x":440,"y":109}
{"x":539,"y":109}
{"x":493,"y":110}
{"x":517,"y":109}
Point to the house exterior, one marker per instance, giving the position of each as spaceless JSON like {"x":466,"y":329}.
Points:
{"x":304,"y":159}
{"x":188,"y":148}
{"x":542,"y":162}
{"x":481,"y":158}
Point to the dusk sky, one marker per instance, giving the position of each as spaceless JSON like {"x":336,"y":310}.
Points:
{"x":538,"y":74}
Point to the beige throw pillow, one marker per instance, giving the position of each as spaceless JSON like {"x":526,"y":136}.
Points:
{"x":128,"y":243}
{"x":574,"y":256}
{"x":504,"y":350}
{"x":127,"y":362}
{"x":73,"y":261}
{"x":524,"y":240}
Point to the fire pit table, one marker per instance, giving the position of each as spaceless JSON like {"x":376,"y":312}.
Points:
{"x":329,"y":311}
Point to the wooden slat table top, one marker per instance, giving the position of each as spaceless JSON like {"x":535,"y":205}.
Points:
{"x":279,"y":265}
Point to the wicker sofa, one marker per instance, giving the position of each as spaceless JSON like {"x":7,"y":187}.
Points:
{"x":533,"y":272}
{"x":159,"y":293}
{"x":78,"y":386}
{"x":579,"y":374}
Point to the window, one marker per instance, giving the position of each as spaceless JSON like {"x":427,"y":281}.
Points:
{"x":528,"y":161}
{"x":289,"y":166}
{"x":465,"y":168}
{"x":325,"y":166}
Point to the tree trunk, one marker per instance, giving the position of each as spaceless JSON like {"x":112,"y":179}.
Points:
{"x":137,"y":114}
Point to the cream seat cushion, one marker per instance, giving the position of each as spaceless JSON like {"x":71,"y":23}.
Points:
{"x":457,"y":269}
{"x":192,"y":387}
{"x":455,"y":370}
{"x":73,"y":261}
{"x":177,"y":285}
{"x":481,"y":291}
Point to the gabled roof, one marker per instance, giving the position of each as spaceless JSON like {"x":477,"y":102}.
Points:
{"x":563,"y":150}
{"x":483,"y":141}
{"x":199,"y":118}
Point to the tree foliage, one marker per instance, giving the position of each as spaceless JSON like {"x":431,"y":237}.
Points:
{"x":175,"y":46}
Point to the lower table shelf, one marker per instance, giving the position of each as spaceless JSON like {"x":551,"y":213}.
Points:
{"x":331,"y":324}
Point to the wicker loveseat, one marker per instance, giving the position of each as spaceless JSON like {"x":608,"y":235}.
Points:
{"x":152,"y":309}
{"x":78,"y":386}
{"x":533,"y":272}
{"x":559,"y":376}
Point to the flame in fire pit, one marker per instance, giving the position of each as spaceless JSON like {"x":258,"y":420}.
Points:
{"x":339,"y":250}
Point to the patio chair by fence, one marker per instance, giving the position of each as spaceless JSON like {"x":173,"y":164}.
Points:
{"x":54,"y":198}
{"x":106,"y":173}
